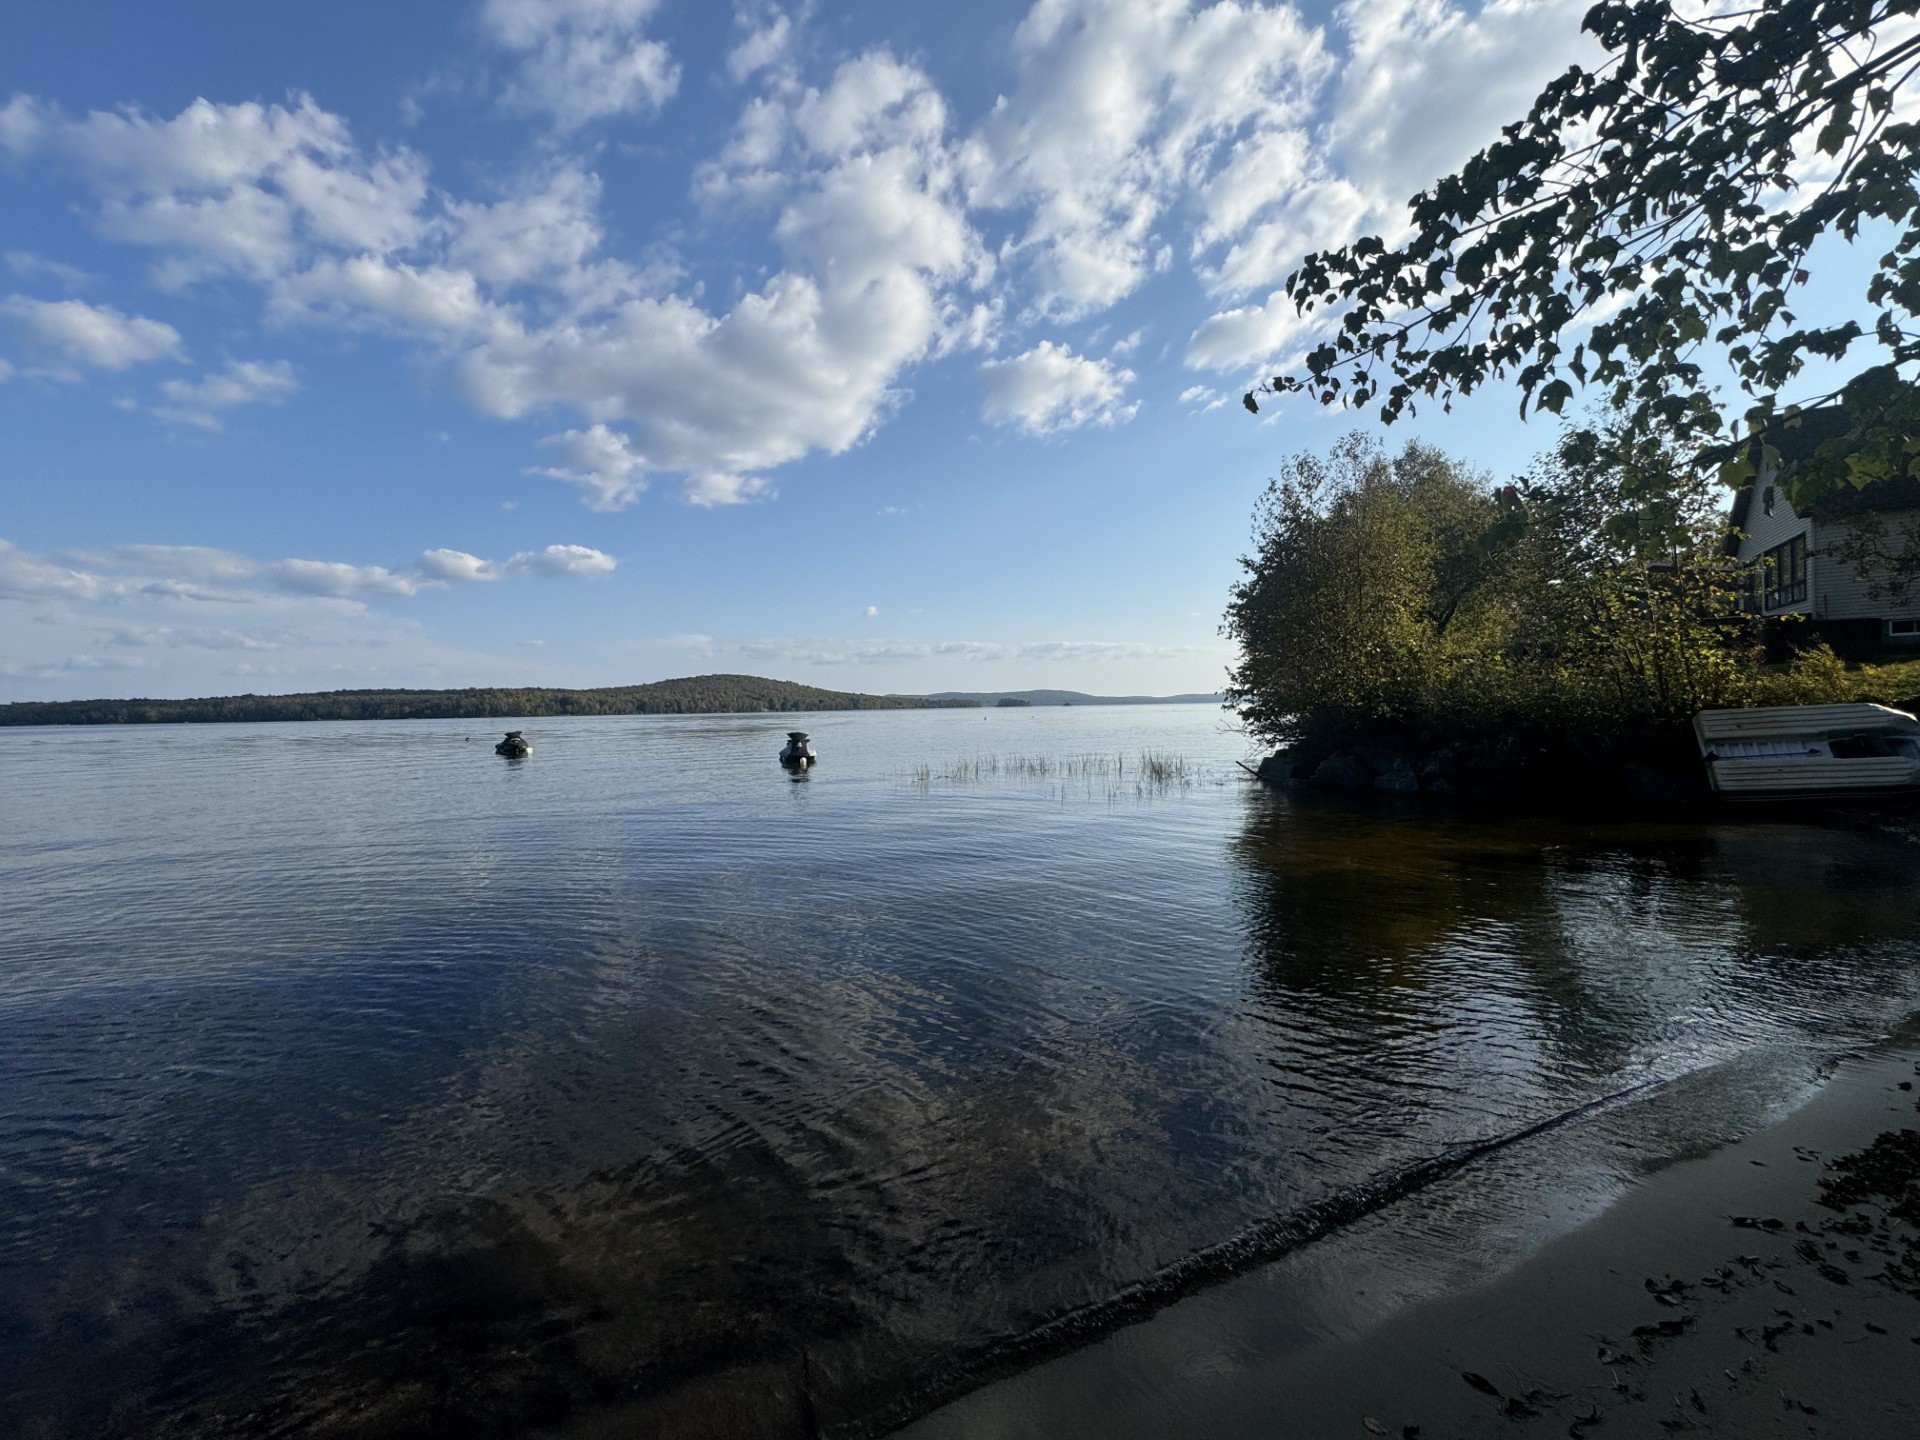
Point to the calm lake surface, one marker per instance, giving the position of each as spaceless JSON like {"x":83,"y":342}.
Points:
{"x":354,"y":1080}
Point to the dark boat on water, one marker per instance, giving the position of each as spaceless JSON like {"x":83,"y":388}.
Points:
{"x":799,"y":753}
{"x":514,"y":746}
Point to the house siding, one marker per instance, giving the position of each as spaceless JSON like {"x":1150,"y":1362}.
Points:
{"x":1840,"y":591}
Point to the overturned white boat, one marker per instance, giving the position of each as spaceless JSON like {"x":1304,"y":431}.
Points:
{"x":1809,"y":751}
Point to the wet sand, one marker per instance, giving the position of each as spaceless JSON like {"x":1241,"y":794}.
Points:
{"x":1771,"y":1288}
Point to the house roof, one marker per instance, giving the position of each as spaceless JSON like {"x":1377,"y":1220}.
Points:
{"x":1796,"y":442}
{"x":1809,"y":430}
{"x":1902,"y":492}
{"x":1736,"y":520}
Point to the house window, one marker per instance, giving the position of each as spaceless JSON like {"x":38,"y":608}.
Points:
{"x":1908,"y":630}
{"x":1766,"y":499}
{"x":1783,"y":574}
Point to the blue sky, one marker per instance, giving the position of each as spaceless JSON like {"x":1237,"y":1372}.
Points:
{"x":596,"y":341}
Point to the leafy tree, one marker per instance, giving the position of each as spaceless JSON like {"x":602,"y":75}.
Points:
{"x":1671,"y":196}
{"x":1357,"y":587}
{"x":1410,"y":600}
{"x":1632,"y":599}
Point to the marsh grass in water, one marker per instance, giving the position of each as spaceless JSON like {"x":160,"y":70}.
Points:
{"x":1097,"y":775}
{"x":1158,"y":768}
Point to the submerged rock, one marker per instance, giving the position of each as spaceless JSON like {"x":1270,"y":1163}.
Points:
{"x":1648,"y":769}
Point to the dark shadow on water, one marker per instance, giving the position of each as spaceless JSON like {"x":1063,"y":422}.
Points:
{"x":487,"y":1316}
{"x":1340,"y":895}
{"x":1409,"y":913}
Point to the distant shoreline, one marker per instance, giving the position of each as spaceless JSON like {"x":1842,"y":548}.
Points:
{"x":693,"y":695}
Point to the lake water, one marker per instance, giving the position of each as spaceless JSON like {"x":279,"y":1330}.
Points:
{"x":354,"y":1080}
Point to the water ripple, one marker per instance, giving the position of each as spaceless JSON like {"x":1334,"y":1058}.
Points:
{"x":347,"y":1070}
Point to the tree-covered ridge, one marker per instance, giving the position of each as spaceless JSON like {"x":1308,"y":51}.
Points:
{"x":695,"y":695}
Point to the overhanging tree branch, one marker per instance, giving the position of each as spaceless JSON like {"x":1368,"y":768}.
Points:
{"x":1680,"y":187}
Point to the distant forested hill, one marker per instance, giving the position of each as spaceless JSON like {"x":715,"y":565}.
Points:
{"x":697,"y":695}
{"x":1068,"y":697}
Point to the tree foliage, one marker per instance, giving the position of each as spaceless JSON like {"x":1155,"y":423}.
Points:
{"x":698,"y":695}
{"x":1651,"y":214}
{"x":1359,"y":572}
{"x":1408,"y":596}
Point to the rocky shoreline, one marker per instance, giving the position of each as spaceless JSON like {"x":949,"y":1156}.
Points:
{"x":1654,"y":766}
{"x":1661,"y":771}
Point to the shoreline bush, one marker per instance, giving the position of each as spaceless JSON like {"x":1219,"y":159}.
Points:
{"x":1408,"y":605}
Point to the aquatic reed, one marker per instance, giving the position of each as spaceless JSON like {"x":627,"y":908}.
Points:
{"x":1158,"y":768}
{"x":1150,"y":772}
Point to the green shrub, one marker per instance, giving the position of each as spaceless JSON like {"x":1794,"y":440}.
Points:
{"x":1410,"y":596}
{"x":1815,"y":676}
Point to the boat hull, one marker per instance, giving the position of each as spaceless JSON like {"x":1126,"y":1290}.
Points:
{"x":1810,"y":752}
{"x":1760,"y":779}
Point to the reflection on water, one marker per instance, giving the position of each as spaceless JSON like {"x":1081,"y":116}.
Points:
{"x":366,"y":1088}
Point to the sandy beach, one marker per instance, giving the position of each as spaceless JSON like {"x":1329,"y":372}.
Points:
{"x":1769,"y":1288}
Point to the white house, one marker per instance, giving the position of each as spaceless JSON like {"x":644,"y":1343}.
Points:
{"x":1807,"y":562}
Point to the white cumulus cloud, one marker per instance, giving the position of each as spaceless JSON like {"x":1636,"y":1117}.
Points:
{"x":241,"y":382}
{"x":63,"y":334}
{"x":1234,"y":339}
{"x":1416,"y":88}
{"x":555,"y":562}
{"x":1115,"y":117}
{"x":208,"y":574}
{"x":876,"y":244}
{"x":24,"y":574}
{"x":337,"y":577}
{"x":561,"y":561}
{"x":864,"y":226}
{"x":29,"y":266}
{"x":602,"y":463}
{"x":243,"y":189}
{"x":582,"y":60}
{"x":70,"y":613}
{"x":769,"y":32}
{"x":549,"y":227}
{"x":1049,"y":389}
